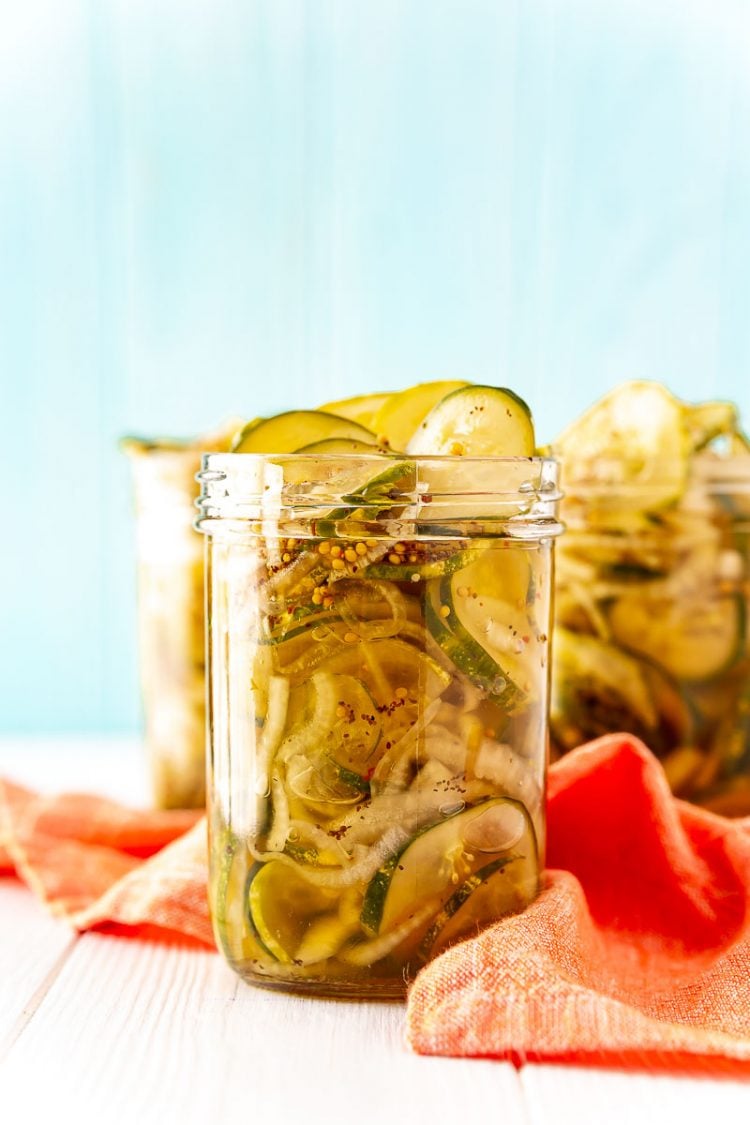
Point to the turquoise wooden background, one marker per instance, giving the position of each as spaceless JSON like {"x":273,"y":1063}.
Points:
{"x":234,"y":206}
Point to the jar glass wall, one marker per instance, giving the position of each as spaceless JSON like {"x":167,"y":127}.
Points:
{"x":378,"y":671}
{"x":653,"y":593}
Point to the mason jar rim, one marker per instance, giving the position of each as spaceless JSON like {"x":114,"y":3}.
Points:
{"x":246,"y":487}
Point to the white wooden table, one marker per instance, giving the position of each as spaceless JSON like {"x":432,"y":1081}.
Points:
{"x":105,"y":1029}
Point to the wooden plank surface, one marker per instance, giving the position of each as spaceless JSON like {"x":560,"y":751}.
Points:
{"x":566,"y":1095}
{"x":135,"y":1031}
{"x":33,"y":948}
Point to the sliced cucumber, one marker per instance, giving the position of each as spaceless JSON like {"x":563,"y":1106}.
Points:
{"x":471,"y":659}
{"x":322,"y":784}
{"x":339,"y":445}
{"x":502,"y":887}
{"x":421,"y":561}
{"x":282,"y":905}
{"x":401,"y":414}
{"x":706,"y":421}
{"x":288,"y":432}
{"x":230,"y":865}
{"x":634,"y":436}
{"x":498,"y":573}
{"x":692,"y":638}
{"x":490,"y":638}
{"x":389,"y":666}
{"x":597,"y":688}
{"x":446,"y":854}
{"x":476,"y":422}
{"x":360,"y":408}
{"x":353,"y":740}
{"x":371,"y":500}
{"x":676,"y":715}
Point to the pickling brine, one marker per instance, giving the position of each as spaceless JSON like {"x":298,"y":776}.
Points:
{"x":378,"y":638}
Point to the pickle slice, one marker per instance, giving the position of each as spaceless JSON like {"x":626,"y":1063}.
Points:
{"x":708,"y":420}
{"x":479,"y":616}
{"x":402,"y":413}
{"x":360,"y":408}
{"x":288,"y":432}
{"x":476,"y":422}
{"x":282,"y":906}
{"x":447,"y":854}
{"x":339,"y":445}
{"x":693,"y":639}
{"x":636,"y":436}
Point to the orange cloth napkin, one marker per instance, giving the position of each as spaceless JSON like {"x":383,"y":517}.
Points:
{"x":97,"y":864}
{"x":637,"y":951}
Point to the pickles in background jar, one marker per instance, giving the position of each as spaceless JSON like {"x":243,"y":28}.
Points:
{"x":653,"y":588}
{"x":171,"y":635}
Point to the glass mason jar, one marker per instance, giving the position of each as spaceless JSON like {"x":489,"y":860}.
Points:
{"x":170,"y":620}
{"x":652,"y":599}
{"x":378,"y":691}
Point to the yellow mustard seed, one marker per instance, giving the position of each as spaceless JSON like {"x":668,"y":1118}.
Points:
{"x":316,"y":598}
{"x":351,"y":638}
{"x":400,"y":548}
{"x":361,"y":549}
{"x":395,"y":559}
{"x":456,"y":449}
{"x":341,"y":711}
{"x":324,"y":548}
{"x":338,"y":563}
{"x":350,"y":554}
{"x":463,"y":591}
{"x":412,"y":558}
{"x":371,"y":542}
{"x":286,"y":557}
{"x":445,"y":611}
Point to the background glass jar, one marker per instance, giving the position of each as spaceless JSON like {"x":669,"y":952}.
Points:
{"x":378,"y":638}
{"x":652,"y":598}
{"x":170,"y":620}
